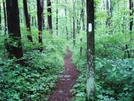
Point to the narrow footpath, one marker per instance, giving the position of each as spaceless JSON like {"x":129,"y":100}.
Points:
{"x":66,"y":82}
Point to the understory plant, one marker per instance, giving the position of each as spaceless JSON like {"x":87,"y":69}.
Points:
{"x":35,"y":80}
{"x":114,"y":75}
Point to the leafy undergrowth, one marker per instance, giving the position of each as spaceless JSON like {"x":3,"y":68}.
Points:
{"x":114,"y":75}
{"x":79,"y":89}
{"x":35,"y":81}
{"x":115,"y":79}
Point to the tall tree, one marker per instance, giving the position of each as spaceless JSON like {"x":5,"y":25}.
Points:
{"x":34,"y":21}
{"x":66,"y":20}
{"x":131,"y":17}
{"x":5,"y":17}
{"x":111,"y":8}
{"x":74,"y":39}
{"x":82,"y":15}
{"x":13,"y":45}
{"x":90,"y":51}
{"x":40,"y":8}
{"x":27,"y":20}
{"x":49,"y":10}
{"x":108,"y":13}
{"x":57,"y":17}
{"x":0,"y":16}
{"x":78,"y":19}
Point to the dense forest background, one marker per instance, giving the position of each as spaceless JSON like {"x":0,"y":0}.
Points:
{"x":33,"y":39}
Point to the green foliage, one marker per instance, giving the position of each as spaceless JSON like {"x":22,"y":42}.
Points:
{"x":2,"y":46}
{"x":114,"y":75}
{"x":23,"y":83}
{"x":110,"y":45}
{"x":79,"y":89}
{"x":115,"y":79}
{"x":36,"y":79}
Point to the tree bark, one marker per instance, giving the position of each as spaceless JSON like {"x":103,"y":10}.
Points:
{"x":40,"y":8}
{"x":108,"y":14}
{"x":90,"y":51}
{"x":49,"y":10}
{"x":78,"y":26}
{"x":14,"y":45}
{"x":0,"y":17}
{"x":27,"y":20}
{"x":66,"y":21}
{"x":131,"y":18}
{"x":74,"y":39}
{"x":5,"y":18}
{"x":111,"y":8}
{"x":34,"y":22}
{"x":82,"y":15}
{"x":57,"y":17}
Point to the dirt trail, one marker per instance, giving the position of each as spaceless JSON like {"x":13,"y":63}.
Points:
{"x":67,"y":81}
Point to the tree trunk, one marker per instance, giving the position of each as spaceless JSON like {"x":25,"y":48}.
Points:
{"x":57,"y":18}
{"x":90,"y":52}
{"x":82,"y":15}
{"x":35,"y":21}
{"x":5,"y":18}
{"x":66,"y":20}
{"x":27,"y":20}
{"x":108,"y":14}
{"x":74,"y":39}
{"x":49,"y":10}
{"x":0,"y":17}
{"x":78,"y":26}
{"x":14,"y":45}
{"x":43,"y":24}
{"x":32,"y":23}
{"x":111,"y":8}
{"x":131,"y":18}
{"x":40,"y":8}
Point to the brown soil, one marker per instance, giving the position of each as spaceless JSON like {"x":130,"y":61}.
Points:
{"x":66,"y":82}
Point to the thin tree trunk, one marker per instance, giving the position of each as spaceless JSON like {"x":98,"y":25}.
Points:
{"x":66,"y":20}
{"x":78,"y":26}
{"x":5,"y":18}
{"x":108,"y":14}
{"x":111,"y":8}
{"x":40,"y":8}
{"x":90,"y":51}
{"x":123,"y":25}
{"x":82,"y":15}
{"x":0,"y":17}
{"x":78,"y":20}
{"x":32,"y":23}
{"x":81,"y":47}
{"x":43,"y":23}
{"x":14,"y":46}
{"x":57,"y":18}
{"x":131,"y":18}
{"x":74,"y":39}
{"x":27,"y":20}
{"x":104,"y":8}
{"x":49,"y":10}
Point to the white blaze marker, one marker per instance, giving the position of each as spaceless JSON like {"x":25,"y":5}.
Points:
{"x":90,"y":27}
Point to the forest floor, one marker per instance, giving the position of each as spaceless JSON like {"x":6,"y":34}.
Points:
{"x":66,"y":82}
